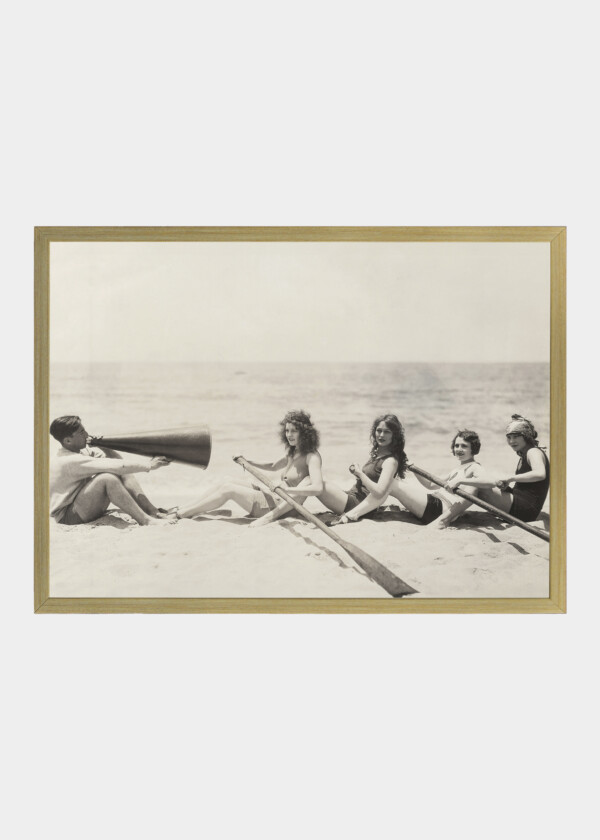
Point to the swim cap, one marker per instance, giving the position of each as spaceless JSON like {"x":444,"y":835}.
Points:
{"x":519,"y":425}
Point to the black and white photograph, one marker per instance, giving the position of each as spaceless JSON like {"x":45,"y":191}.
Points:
{"x":306,"y":417}
{"x":300,"y":348}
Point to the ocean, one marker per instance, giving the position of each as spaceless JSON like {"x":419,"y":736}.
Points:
{"x":243,"y":403}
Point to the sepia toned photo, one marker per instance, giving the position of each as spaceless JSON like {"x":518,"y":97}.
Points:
{"x":300,"y":419}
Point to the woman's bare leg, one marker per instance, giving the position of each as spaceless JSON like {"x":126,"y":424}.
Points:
{"x":333,"y":497}
{"x":231,"y":490}
{"x":495,"y":496}
{"x":282,"y":508}
{"x":274,"y":514}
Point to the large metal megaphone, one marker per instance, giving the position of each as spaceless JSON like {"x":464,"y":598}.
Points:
{"x":190,"y":445}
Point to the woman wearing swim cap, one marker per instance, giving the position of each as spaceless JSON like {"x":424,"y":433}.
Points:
{"x":530,"y":481}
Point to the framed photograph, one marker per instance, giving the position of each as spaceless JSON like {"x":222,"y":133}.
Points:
{"x":300,"y":419}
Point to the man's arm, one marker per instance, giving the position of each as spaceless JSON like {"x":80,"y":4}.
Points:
{"x":88,"y":466}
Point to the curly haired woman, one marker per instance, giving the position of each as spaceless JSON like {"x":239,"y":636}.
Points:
{"x":301,"y":463}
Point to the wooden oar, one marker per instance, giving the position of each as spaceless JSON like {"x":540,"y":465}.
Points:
{"x":376,"y":570}
{"x":477,"y":501}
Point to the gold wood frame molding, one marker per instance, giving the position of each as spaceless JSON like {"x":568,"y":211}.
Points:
{"x":554,"y":236}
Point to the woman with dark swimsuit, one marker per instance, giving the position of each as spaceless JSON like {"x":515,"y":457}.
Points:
{"x":530,"y":482}
{"x":373,"y":480}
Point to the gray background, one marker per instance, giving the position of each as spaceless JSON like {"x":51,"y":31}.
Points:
{"x":307,"y":726}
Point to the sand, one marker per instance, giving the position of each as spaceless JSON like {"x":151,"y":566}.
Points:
{"x":220,"y":557}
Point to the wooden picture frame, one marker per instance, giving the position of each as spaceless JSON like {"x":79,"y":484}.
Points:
{"x":555,"y":240}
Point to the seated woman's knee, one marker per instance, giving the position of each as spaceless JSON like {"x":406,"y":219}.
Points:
{"x":227,"y":487}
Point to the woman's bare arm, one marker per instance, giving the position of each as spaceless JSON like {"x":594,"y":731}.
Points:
{"x":536,"y":461}
{"x":271,"y":466}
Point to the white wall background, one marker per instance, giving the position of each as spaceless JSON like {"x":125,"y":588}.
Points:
{"x":301,"y":726}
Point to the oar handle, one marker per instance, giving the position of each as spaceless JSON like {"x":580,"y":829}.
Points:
{"x":482,"y":503}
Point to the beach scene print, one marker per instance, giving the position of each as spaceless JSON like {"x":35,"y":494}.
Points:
{"x":447,"y":338}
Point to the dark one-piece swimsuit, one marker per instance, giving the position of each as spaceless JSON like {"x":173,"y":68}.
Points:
{"x":372,"y":469}
{"x":528,"y":499}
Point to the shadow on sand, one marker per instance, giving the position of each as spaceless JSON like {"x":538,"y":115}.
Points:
{"x":290,"y":527}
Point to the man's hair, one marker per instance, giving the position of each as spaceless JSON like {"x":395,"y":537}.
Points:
{"x":65,"y":426}
{"x":470,"y":437}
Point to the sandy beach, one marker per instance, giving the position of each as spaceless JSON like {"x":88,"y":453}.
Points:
{"x":242,"y":404}
{"x":220,"y":557}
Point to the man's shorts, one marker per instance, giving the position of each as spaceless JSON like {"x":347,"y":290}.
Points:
{"x":70,"y":517}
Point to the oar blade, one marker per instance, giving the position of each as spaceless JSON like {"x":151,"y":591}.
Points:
{"x":392,"y":584}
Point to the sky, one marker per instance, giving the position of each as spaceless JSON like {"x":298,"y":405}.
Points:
{"x":299,"y":301}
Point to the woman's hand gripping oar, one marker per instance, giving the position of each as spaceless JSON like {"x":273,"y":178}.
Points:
{"x":376,"y":570}
{"x":477,"y":501}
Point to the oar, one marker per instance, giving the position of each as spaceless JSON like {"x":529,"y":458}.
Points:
{"x":477,"y":501}
{"x":376,"y":571}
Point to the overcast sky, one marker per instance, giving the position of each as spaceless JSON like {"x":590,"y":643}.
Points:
{"x":280,"y":301}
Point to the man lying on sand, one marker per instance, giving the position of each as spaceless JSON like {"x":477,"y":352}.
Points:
{"x":84,"y":481}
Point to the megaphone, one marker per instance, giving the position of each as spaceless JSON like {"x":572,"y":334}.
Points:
{"x":190,"y":445}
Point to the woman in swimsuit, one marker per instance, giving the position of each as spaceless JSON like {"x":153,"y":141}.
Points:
{"x":439,"y":506}
{"x":373,"y":480}
{"x":530,"y":481}
{"x":302,"y":463}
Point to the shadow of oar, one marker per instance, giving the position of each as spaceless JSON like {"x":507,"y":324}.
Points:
{"x":230,"y":520}
{"x":291,"y":527}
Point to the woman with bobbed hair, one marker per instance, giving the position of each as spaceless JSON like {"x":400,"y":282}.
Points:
{"x":387,"y":460}
{"x":434,"y":505}
{"x":530,"y":482}
{"x":300,"y":464}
